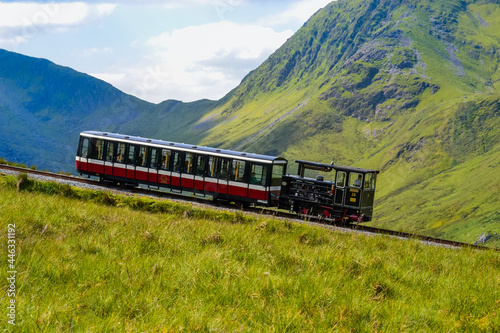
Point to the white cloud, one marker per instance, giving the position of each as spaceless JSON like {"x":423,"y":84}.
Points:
{"x":190,"y":63}
{"x":207,"y":60}
{"x":20,"y":21}
{"x":299,"y":11}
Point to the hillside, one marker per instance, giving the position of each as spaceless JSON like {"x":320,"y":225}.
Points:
{"x":83,"y":262}
{"x":43,"y":108}
{"x":409,"y":88}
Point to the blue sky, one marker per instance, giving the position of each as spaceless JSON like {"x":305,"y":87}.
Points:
{"x":156,"y":50}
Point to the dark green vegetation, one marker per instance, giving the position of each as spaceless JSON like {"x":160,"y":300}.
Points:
{"x":93,"y":262}
{"x":407,"y":87}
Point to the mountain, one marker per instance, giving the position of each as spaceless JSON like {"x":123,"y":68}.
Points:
{"x":43,"y":108}
{"x":407,"y":87}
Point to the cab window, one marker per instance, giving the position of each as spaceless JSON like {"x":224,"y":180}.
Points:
{"x":355,"y":179}
{"x":340,"y":179}
{"x":370,"y":181}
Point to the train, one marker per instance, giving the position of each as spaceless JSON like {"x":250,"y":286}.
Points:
{"x":241,"y":178}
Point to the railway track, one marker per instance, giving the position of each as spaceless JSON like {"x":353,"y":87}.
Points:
{"x":256,"y":210}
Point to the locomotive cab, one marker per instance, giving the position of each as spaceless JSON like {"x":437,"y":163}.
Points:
{"x":347,"y":195}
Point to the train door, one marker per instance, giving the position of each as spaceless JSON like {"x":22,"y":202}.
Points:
{"x":130,"y":158}
{"x":340,"y":188}
{"x":96,"y":156}
{"x":276,"y":179}
{"x":141,"y":164}
{"x":177,"y":157}
{"x":82,"y":154}
{"x":258,"y":189}
{"x":165,"y":172}
{"x":368,"y":195}
{"x":120,"y":167}
{"x":154,"y":159}
{"x":187,"y":171}
{"x":199,"y":177}
{"x":212,"y":174}
{"x":238,"y":183}
{"x":224,"y":175}
{"x":108,"y":158}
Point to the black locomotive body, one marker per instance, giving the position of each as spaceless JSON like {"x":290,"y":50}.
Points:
{"x":348,"y":196}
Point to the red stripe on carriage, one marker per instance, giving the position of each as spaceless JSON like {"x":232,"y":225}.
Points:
{"x":153,"y":177}
{"x":141,"y":175}
{"x":257,"y":194}
{"x":120,"y":172}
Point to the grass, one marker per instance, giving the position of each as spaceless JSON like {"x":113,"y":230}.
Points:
{"x":92,"y":262}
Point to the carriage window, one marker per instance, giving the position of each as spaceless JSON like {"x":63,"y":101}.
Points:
{"x":370,"y":181}
{"x":120,"y":152}
{"x":142,"y":158}
{"x":278,"y":170}
{"x":97,"y":151}
{"x":224,"y":169}
{"x":258,"y":175}
{"x":340,"y":179}
{"x":165,"y":159}
{"x":355,"y":179}
{"x":85,"y":147}
{"x":200,"y":166}
{"x":238,"y":171}
{"x":177,"y":161}
{"x":131,"y":154}
{"x":212,"y":167}
{"x":154,"y":159}
{"x":109,"y":151}
{"x":188,"y":163}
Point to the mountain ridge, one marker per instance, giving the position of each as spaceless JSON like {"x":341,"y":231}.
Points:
{"x":44,"y":107}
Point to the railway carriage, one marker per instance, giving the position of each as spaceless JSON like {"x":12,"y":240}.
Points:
{"x":223,"y":174}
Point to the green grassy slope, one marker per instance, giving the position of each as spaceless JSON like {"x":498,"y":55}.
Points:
{"x":410,"y":88}
{"x":94,"y":262}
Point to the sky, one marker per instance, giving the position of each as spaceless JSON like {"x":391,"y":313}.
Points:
{"x":156,"y":49}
